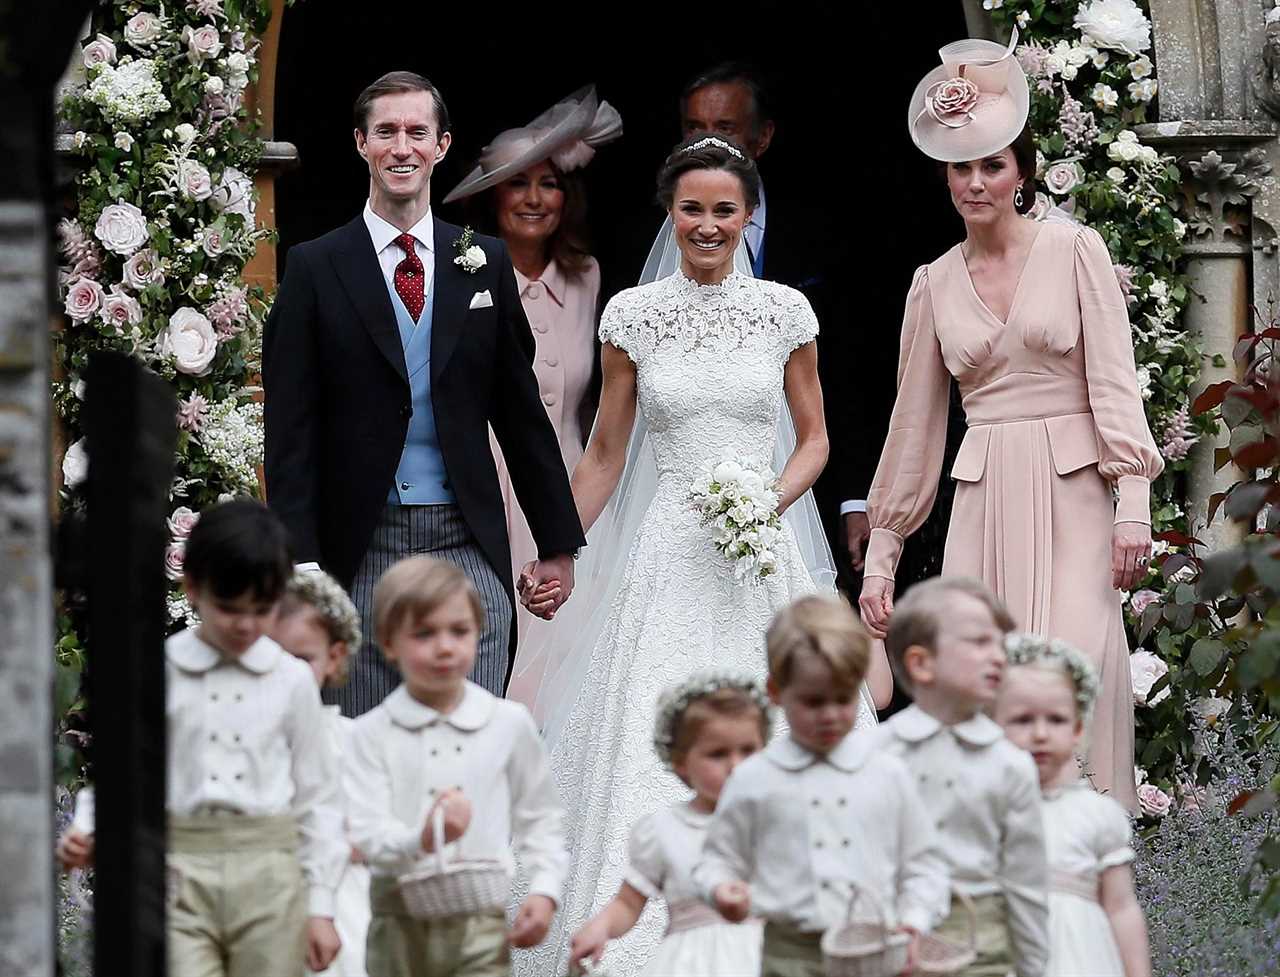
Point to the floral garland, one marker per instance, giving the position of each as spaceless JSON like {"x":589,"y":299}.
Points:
{"x":1092,"y":81}
{"x":1034,"y":649}
{"x":677,"y":698}
{"x":153,"y":255}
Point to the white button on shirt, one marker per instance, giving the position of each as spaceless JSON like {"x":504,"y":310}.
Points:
{"x":983,"y":794}
{"x":248,"y":735}
{"x":405,"y":754}
{"x":800,"y":828}
{"x":383,"y":234}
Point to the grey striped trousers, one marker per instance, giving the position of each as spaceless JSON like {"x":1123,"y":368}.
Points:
{"x":431,"y":530}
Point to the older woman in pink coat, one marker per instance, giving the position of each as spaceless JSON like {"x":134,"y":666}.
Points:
{"x":1052,"y":507}
{"x":527,"y":189}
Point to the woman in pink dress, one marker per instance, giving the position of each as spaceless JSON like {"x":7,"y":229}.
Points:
{"x":1052,"y":504}
{"x":527,"y":190}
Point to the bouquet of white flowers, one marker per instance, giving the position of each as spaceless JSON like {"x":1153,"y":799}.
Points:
{"x":738,"y":499}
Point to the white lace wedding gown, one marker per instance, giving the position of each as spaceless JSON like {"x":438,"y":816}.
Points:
{"x":709,"y":369}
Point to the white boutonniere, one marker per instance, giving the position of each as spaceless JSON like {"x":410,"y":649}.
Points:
{"x":470,"y":255}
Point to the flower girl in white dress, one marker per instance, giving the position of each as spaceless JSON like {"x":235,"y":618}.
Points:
{"x":705,"y":727}
{"x":1096,"y":927}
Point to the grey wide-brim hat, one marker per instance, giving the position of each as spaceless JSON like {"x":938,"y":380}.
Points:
{"x":567,"y":134}
{"x":973,"y":105}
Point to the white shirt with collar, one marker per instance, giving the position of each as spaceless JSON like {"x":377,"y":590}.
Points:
{"x":983,"y":795}
{"x":248,"y":735}
{"x":754,"y":231}
{"x":802,"y":828}
{"x":405,"y":754}
{"x":383,"y":234}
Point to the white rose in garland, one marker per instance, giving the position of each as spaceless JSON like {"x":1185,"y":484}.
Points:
{"x":1119,"y":25}
{"x":1145,"y":669}
{"x":234,"y":195}
{"x":143,"y":29}
{"x":101,"y":50}
{"x":202,"y":43}
{"x":143,"y":269}
{"x":75,"y":465}
{"x":1062,"y":177}
{"x":194,"y":180}
{"x":190,"y":341}
{"x":84,"y":299}
{"x":238,"y":71}
{"x":121,"y":228}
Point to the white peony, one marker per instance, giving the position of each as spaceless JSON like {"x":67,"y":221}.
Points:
{"x":84,"y":299}
{"x":143,"y":269}
{"x":194,"y":181}
{"x":1141,"y":67}
{"x":101,"y":50}
{"x":121,"y":228}
{"x":121,"y":310}
{"x":1104,"y":96}
{"x":123,"y":141}
{"x":75,"y":464}
{"x":1119,"y":25}
{"x":1062,"y":177}
{"x":190,"y":341}
{"x":142,"y":29}
{"x":1145,"y":669}
{"x":234,"y":195}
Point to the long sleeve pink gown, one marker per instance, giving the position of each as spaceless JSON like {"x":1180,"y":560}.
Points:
{"x":1055,"y":422}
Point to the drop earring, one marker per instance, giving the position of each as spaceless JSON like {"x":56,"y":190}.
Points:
{"x":1017,"y":196}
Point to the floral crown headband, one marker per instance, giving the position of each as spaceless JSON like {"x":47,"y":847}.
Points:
{"x":1031,"y":649}
{"x":321,"y":591}
{"x":677,"y":698}
{"x":713,"y":141}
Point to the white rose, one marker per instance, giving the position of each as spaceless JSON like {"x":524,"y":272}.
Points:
{"x":121,"y":310}
{"x":1211,"y":708}
{"x":84,"y":298}
{"x":1054,"y":63}
{"x":752,"y":484}
{"x":1104,"y":96}
{"x":475,"y":256}
{"x":1159,"y":290}
{"x":234,"y":195}
{"x":142,"y":29}
{"x":185,"y":133}
{"x":1116,"y":175}
{"x":78,"y":389}
{"x":79,"y":139}
{"x":75,"y":464}
{"x":213,"y":85}
{"x":1069,"y":71}
{"x":726,"y":471}
{"x":1179,"y":228}
{"x":1079,"y":55}
{"x":121,"y":228}
{"x":1124,"y":152}
{"x":194,"y":180}
{"x":202,"y":42}
{"x":1062,"y":177}
{"x":101,"y":50}
{"x":1141,"y":67}
{"x":123,"y":141}
{"x":1145,"y":669}
{"x":238,"y":63}
{"x":175,"y":555}
{"x":182,"y":521}
{"x":190,"y":341}
{"x":143,"y":269}
{"x":1119,"y":25}
{"x":1126,"y":135}
{"x":1144,"y":90}
{"x":212,"y":241}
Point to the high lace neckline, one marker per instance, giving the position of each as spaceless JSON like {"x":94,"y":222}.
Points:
{"x":689,"y":286}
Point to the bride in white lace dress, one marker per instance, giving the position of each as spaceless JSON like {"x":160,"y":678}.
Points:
{"x":707,"y":354}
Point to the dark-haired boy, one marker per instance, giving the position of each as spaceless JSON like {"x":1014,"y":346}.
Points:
{"x":255,"y":830}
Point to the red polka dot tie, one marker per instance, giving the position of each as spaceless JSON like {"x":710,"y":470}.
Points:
{"x":409,"y":277}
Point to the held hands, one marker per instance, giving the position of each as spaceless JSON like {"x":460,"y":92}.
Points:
{"x":1130,"y":554}
{"x":74,"y":849}
{"x":733,"y":900}
{"x":323,"y":943}
{"x":532,"y":922}
{"x":857,"y":530}
{"x":457,"y":818}
{"x":589,"y":942}
{"x":546,"y":584}
{"x":876,"y":604}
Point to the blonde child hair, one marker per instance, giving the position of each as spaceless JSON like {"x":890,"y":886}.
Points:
{"x":415,"y":587}
{"x":823,"y":626}
{"x":917,"y":617}
{"x":318,"y":592}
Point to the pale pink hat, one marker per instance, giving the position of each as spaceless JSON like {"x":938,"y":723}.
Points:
{"x":567,"y":134}
{"x":973,"y":105}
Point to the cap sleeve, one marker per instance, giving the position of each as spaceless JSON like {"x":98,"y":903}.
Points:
{"x":645,"y":864}
{"x":799,"y":324}
{"x":1112,"y":834}
{"x":617,"y":326}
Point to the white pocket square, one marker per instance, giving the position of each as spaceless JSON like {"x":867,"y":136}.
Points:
{"x":482,"y":300}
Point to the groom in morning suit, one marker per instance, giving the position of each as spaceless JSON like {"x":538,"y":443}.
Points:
{"x":385,"y":361}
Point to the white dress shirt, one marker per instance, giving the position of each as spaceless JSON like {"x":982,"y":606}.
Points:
{"x":983,"y":794}
{"x":802,"y":829}
{"x":248,"y":735}
{"x":754,"y":231}
{"x":405,"y":754}
{"x":384,"y":234}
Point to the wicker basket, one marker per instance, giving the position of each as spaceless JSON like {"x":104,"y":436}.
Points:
{"x":858,"y":949}
{"x":437,"y":888}
{"x":936,"y":956}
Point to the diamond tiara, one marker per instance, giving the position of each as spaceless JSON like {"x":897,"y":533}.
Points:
{"x":718,"y":143}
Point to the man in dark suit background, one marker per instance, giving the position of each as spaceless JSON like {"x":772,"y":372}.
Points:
{"x":784,"y":243}
{"x":394,"y":343}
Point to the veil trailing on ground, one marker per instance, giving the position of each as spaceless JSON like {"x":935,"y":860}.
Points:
{"x":555,"y":656}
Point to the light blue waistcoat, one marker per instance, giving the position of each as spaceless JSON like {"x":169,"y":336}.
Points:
{"x":421,"y":478}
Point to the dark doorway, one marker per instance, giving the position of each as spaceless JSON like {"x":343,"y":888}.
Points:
{"x":841,"y":83}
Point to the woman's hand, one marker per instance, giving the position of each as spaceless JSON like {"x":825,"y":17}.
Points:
{"x":876,"y":604}
{"x":1130,"y":554}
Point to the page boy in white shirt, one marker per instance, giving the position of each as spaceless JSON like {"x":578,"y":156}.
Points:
{"x":820,"y":810}
{"x":946,"y":647}
{"x":255,"y":832}
{"x":435,"y":737}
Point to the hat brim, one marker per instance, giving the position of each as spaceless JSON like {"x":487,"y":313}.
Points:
{"x":996,"y":123}
{"x":547,"y":142}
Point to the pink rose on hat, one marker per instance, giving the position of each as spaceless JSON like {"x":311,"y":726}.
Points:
{"x":952,"y":98}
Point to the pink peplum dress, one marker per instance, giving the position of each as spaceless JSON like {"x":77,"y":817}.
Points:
{"x":1057,"y":451}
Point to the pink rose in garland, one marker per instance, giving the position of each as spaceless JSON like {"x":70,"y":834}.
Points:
{"x":143,"y":269}
{"x":190,"y":342}
{"x":174,"y":556}
{"x":1141,"y":600}
{"x":121,"y":310}
{"x":84,"y":299}
{"x":182,"y":522}
{"x":202,"y":42}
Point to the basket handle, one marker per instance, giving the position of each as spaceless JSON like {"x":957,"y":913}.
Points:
{"x":437,"y":836}
{"x":879,"y":906}
{"x":973,"y":917}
